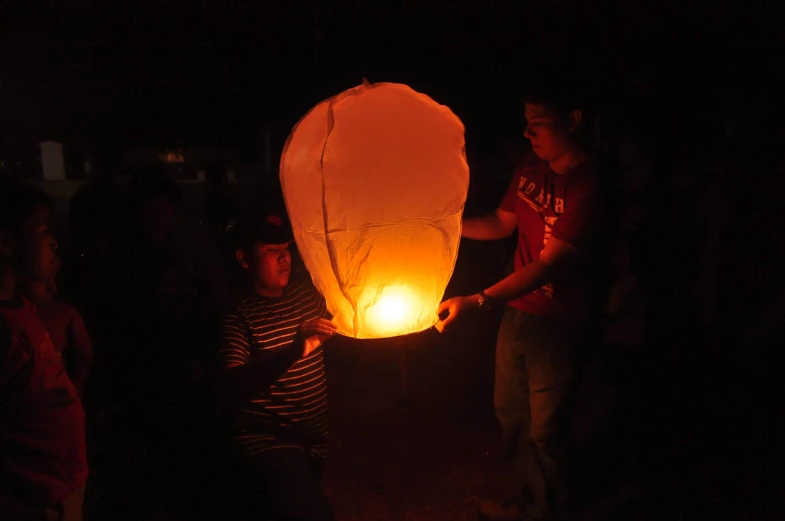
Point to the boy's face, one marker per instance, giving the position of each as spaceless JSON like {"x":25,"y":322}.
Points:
{"x":39,"y":252}
{"x":550,"y":136}
{"x":268,"y":264}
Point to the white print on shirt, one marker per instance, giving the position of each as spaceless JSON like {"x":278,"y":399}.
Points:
{"x":549,"y":222}
{"x":539,"y":204}
{"x":529,"y":187}
{"x":542,"y":201}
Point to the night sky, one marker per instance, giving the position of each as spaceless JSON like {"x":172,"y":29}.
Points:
{"x":216,"y":73}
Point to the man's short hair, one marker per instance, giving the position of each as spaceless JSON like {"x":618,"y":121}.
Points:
{"x":559,"y":92}
{"x":563,"y":92}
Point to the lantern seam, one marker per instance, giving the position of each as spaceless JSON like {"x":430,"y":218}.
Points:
{"x":328,"y":242}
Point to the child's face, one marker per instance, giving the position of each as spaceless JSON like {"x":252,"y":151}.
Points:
{"x":39,"y":253}
{"x":270,"y":264}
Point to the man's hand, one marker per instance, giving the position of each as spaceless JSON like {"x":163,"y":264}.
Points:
{"x":314,"y":332}
{"x":454,"y":307}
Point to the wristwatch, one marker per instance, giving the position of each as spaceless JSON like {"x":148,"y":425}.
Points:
{"x":484,"y":301}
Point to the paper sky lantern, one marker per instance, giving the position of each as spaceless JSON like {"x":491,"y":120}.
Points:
{"x":375,"y":181}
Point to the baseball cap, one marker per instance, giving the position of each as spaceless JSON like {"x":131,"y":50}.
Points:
{"x":266,"y":228}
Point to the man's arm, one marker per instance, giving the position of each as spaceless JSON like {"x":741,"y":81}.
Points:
{"x":498,"y":225}
{"x":574,"y":230}
{"x":240,"y":378}
{"x":556,"y":255}
{"x":244,"y":381}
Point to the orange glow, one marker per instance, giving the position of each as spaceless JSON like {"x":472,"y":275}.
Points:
{"x":172,"y":157}
{"x":396,"y":310}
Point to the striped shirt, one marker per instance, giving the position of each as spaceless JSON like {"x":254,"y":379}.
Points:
{"x":295,"y":405}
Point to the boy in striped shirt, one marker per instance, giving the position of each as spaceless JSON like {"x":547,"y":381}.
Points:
{"x":272,"y":376}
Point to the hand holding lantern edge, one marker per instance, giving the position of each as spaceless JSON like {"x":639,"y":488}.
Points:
{"x":314,"y":332}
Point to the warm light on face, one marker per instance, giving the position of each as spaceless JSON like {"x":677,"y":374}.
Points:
{"x":396,"y":311}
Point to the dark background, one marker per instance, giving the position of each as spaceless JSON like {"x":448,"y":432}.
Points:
{"x":216,"y":73}
{"x":696,"y":82}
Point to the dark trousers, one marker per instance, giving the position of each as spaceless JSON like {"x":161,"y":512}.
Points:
{"x":535,"y":393}
{"x":284,"y":485}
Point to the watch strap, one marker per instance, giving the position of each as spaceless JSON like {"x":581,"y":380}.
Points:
{"x":485,"y":300}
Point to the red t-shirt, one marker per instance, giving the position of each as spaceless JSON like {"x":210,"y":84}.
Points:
{"x":570,"y":207}
{"x":42,"y":423}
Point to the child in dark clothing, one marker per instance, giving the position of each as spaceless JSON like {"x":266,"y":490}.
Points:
{"x":63,"y":322}
{"x":43,"y":467}
{"x":272,"y":376}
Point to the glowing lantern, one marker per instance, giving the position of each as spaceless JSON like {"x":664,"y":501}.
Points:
{"x":375,"y":182}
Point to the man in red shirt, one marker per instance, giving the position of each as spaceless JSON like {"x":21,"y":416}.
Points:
{"x":43,"y":466}
{"x":557,"y":201}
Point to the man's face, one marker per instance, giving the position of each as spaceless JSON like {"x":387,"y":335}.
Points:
{"x":551,"y":137}
{"x":39,"y":254}
{"x":270,"y":264}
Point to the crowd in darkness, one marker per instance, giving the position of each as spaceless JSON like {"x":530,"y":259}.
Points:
{"x":149,"y":285}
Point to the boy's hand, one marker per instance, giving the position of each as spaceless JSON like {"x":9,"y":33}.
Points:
{"x":315,"y":331}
